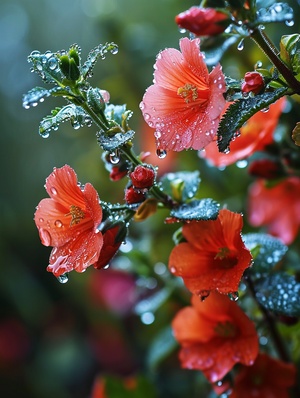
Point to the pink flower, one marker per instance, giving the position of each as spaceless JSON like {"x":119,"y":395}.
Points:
{"x":68,"y":221}
{"x":276,"y":207}
{"x":185,"y":102}
{"x":202,"y":21}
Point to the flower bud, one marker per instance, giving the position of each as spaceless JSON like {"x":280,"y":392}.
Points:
{"x":265,"y":168}
{"x":117,"y":173}
{"x":142,"y":177}
{"x":132,"y":196}
{"x":254,"y":82}
{"x":202,"y":21}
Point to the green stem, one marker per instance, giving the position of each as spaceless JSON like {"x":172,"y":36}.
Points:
{"x":263,"y":41}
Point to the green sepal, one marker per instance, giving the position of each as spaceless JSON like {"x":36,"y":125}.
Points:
{"x":95,"y":100}
{"x":182,"y":186}
{"x":279,"y":293}
{"x":240,"y":111}
{"x":196,"y":210}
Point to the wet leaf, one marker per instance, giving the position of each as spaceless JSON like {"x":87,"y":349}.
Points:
{"x":288,"y":47}
{"x":112,"y":142}
{"x":46,"y":66}
{"x":98,"y":52}
{"x":267,"y":251}
{"x":240,"y":111}
{"x":296,"y":134}
{"x":162,"y":345}
{"x":279,"y":293}
{"x":34,"y":96}
{"x":153,"y":302}
{"x":181,"y":185}
{"x":203,"y":209}
{"x":277,"y":12}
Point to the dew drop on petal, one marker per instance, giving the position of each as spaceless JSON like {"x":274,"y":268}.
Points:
{"x":63,"y":278}
{"x":173,"y":270}
{"x":234,"y":296}
{"x":53,"y":191}
{"x":41,"y":219}
{"x":58,"y":224}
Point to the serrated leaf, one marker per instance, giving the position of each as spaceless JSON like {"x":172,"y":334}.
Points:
{"x":34,"y":96}
{"x":279,"y":293}
{"x":46,"y":66}
{"x":162,"y":345}
{"x":70,"y":112}
{"x":203,"y":209}
{"x":266,"y":249}
{"x":185,"y":182}
{"x":112,"y":142}
{"x":240,"y":111}
{"x":277,"y":12}
{"x":98,"y":52}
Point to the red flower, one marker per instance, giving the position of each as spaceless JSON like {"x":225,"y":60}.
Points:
{"x":185,"y":102}
{"x":142,"y":177}
{"x":111,"y":244}
{"x":266,"y":378}
{"x":132,"y":196}
{"x":254,"y":82}
{"x":253,"y":137}
{"x":265,"y":168}
{"x":116,"y":173}
{"x":69,"y":221}
{"x":276,"y":207}
{"x":215,"y":335}
{"x":214,"y":256}
{"x":202,"y":21}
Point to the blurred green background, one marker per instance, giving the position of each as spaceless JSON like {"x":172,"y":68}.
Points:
{"x":55,"y":339}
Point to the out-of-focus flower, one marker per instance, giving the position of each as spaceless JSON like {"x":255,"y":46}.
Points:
{"x":142,"y":177}
{"x":202,"y":21}
{"x":14,"y":342}
{"x":68,"y":221}
{"x":265,"y":168}
{"x":213,"y":257}
{"x":112,"y":240}
{"x":134,"y":196}
{"x":215,"y":335}
{"x":252,"y":137}
{"x":253,"y":82}
{"x":266,"y":378}
{"x":116,"y":173}
{"x":98,"y":390}
{"x":185,"y":102}
{"x":276,"y":207}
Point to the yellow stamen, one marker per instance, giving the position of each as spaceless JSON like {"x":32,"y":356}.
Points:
{"x":222,"y":253}
{"x":77,"y":215}
{"x":188,"y":92}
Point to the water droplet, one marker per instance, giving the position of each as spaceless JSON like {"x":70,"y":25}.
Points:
{"x":240,"y":46}
{"x":258,"y":64}
{"x":161,"y":153}
{"x":146,"y":116}
{"x":278,"y":7}
{"x":75,"y":124}
{"x":157,"y":134}
{"x":45,"y":134}
{"x":52,"y":63}
{"x":265,"y":110}
{"x":58,"y":224}
{"x":142,"y":106}
{"x":114,"y":50}
{"x":173,"y":269}
{"x":241,"y":164}
{"x":289,"y":22}
{"x":63,"y":278}
{"x":114,"y":157}
{"x":53,"y":191}
{"x":204,"y":294}
{"x":181,"y":30}
{"x":234,"y":296}
{"x":41,"y":220}
{"x":45,"y":237}
{"x":147,"y":318}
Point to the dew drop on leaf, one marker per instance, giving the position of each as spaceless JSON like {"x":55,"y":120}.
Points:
{"x":240,"y":46}
{"x":63,"y":278}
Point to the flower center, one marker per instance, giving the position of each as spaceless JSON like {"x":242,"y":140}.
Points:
{"x":225,"y":258}
{"x":77,"y":215}
{"x":188,"y":92}
{"x":226,"y":329}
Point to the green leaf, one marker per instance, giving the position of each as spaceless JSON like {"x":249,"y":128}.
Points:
{"x":288,"y":47}
{"x":153,"y":302}
{"x":71,"y":112}
{"x":46,"y":66}
{"x":240,"y":111}
{"x":279,"y":293}
{"x":112,"y":142}
{"x":181,"y":185}
{"x":277,"y":12}
{"x":34,"y":96}
{"x":116,"y":387}
{"x":296,"y":134}
{"x":162,"y":345}
{"x":267,"y":251}
{"x":98,"y":52}
{"x":204,"y":209}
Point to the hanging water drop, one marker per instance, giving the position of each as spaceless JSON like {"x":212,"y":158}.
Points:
{"x":52,"y":63}
{"x":290,"y":22}
{"x":161,"y":153}
{"x":258,"y":64}
{"x":63,"y":278}
{"x":45,"y":134}
{"x":114,"y":157}
{"x":114,"y":50}
{"x":240,"y":46}
{"x":181,"y":30}
{"x":234,"y":296}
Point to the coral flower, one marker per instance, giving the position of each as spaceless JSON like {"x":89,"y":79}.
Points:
{"x":214,"y":256}
{"x":253,"y":82}
{"x":266,"y":378}
{"x":68,"y":221}
{"x":276,"y":207}
{"x":253,"y":137}
{"x":202,"y":21}
{"x":215,"y":335}
{"x":185,"y":102}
